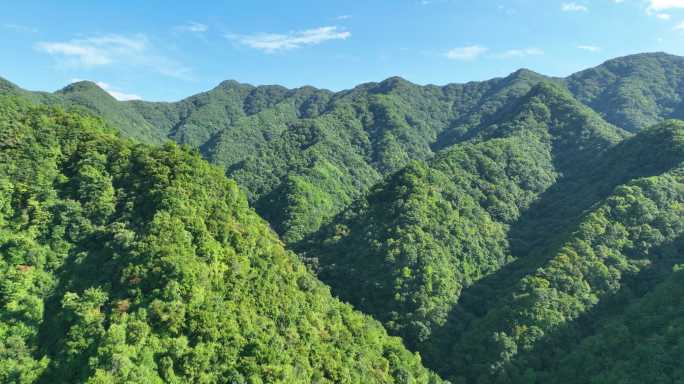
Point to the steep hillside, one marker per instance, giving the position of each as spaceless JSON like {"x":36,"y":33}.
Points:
{"x":128,"y":263}
{"x":305,"y":154}
{"x":516,"y":320}
{"x":405,"y":253}
{"x":517,"y":230}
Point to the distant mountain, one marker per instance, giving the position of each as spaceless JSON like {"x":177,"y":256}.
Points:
{"x":375,"y":128}
{"x":633,"y":92}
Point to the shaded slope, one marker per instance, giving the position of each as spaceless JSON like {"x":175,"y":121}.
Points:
{"x":406,"y":251}
{"x":641,"y":344}
{"x":613,"y":240}
{"x":376,"y":127}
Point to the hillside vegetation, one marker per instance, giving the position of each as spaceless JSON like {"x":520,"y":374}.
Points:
{"x":128,"y":263}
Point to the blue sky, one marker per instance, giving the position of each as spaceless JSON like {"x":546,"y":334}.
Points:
{"x":167,"y":50}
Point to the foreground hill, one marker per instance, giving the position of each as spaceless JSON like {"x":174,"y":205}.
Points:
{"x":127,"y":263}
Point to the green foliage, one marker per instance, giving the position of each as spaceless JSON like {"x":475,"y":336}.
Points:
{"x":126,"y":263}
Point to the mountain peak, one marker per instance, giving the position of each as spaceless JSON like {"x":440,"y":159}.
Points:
{"x":83,"y":86}
{"x":393,"y":83}
{"x":230,"y":85}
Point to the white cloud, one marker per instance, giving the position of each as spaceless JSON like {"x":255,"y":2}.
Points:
{"x":121,"y":96}
{"x":274,"y":42}
{"x":514,"y":53}
{"x":590,"y":48}
{"x":344,"y":17}
{"x":664,"y":16}
{"x":506,"y":10}
{"x":110,"y":50}
{"x":679,"y":27}
{"x":95,"y":51}
{"x":466,"y":53}
{"x":193,"y":27}
{"x":660,"y":5}
{"x":19,"y":28}
{"x":573,"y":7}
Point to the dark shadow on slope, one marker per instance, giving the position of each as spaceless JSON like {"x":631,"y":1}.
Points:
{"x":546,"y":356}
{"x":561,"y":208}
{"x":548,"y":352}
{"x":557,"y":213}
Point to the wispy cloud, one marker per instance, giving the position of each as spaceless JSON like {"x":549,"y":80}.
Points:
{"x":20,"y":28}
{"x":516,"y":53}
{"x":573,"y":7}
{"x":275,"y":42}
{"x":117,"y":94}
{"x":344,"y":17}
{"x":470,"y":52}
{"x":192,"y":27}
{"x":110,"y":50}
{"x":679,"y":27}
{"x":507,"y":10}
{"x":590,"y":48}
{"x":661,"y":5}
{"x":95,"y":51}
{"x":664,"y":16}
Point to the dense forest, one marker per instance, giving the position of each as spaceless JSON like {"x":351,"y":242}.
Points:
{"x":129,"y":263}
{"x":525,"y":229}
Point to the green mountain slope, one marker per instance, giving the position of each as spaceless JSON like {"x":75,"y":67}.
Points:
{"x":127,"y":263}
{"x":521,"y":316}
{"x":311,"y":172}
{"x":254,"y":132}
{"x":633,"y":92}
{"x":641,"y":344}
{"x":405,"y":253}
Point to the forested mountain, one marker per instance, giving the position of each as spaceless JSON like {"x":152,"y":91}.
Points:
{"x":89,"y":97}
{"x":303,"y":155}
{"x":523,"y":229}
{"x":429,"y":230}
{"x":128,"y":263}
{"x":635,"y":91}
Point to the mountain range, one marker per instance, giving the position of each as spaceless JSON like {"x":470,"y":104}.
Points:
{"x":525,"y":229}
